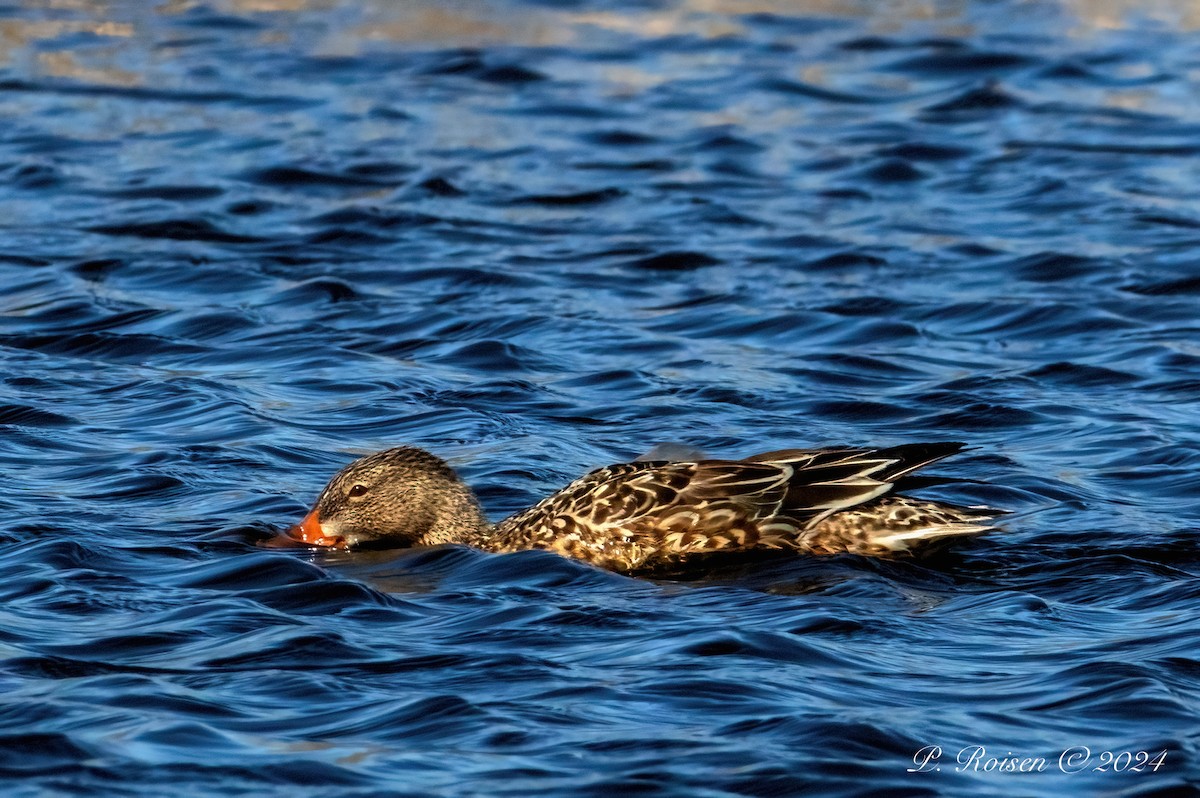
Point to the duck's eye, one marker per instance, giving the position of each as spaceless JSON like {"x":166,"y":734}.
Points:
{"x":357,"y":490}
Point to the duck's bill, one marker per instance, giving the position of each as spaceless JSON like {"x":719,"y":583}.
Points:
{"x":309,"y":531}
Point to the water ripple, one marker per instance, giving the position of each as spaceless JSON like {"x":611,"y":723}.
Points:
{"x":245,"y":243}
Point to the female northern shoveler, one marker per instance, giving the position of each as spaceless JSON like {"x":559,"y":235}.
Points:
{"x":653,"y":514}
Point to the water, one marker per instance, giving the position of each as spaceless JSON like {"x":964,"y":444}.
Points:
{"x":242,"y":243}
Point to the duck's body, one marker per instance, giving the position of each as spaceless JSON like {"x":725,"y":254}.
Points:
{"x":653,"y":514}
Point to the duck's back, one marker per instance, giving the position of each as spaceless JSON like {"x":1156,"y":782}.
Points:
{"x":649,"y":514}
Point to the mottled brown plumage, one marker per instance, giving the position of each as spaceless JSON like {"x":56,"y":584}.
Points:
{"x":653,"y":514}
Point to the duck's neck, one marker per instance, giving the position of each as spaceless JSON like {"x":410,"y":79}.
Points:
{"x":459,"y":520}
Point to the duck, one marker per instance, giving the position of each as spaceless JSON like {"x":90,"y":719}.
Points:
{"x":654,"y":513}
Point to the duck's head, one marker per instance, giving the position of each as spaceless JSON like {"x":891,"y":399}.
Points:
{"x":396,"y":498}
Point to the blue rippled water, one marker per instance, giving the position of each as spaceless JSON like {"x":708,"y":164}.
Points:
{"x":241,"y":243}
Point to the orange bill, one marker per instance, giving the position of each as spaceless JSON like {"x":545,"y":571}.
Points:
{"x":309,"y":530}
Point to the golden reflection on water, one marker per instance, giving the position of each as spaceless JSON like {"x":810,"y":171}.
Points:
{"x":348,"y":27}
{"x":449,"y":23}
{"x":480,"y":23}
{"x":65,"y":64}
{"x":17,"y":33}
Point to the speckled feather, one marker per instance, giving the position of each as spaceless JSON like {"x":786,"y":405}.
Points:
{"x":640,"y":515}
{"x":822,"y":501}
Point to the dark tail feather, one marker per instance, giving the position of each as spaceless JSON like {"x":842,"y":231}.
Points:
{"x":914,"y":456}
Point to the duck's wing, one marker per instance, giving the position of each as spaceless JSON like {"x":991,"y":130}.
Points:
{"x":825,"y":481}
{"x":623,"y":515}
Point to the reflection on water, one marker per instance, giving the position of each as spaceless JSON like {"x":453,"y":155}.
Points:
{"x":330,"y":28}
{"x":244,"y":241}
